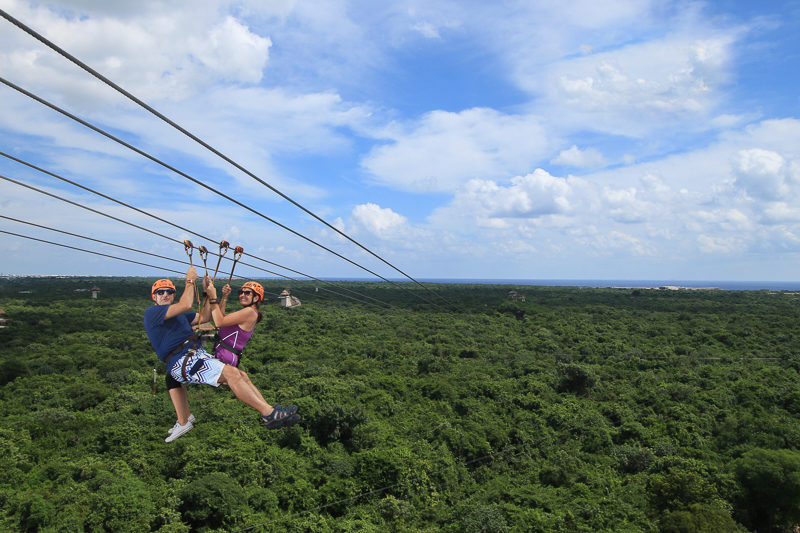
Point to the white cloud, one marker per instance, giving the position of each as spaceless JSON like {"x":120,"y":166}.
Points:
{"x":575,"y":157}
{"x":781,"y":212}
{"x":639,"y":87}
{"x":605,"y":242}
{"x":728,"y":220}
{"x":532,"y":195}
{"x":718,"y":245}
{"x":146,"y":51}
{"x":445,"y":150}
{"x":534,"y":200}
{"x":379,"y":221}
{"x":623,"y":205}
{"x":427,"y":29}
{"x":676,"y":207}
{"x":761,"y":173}
{"x":233,"y":52}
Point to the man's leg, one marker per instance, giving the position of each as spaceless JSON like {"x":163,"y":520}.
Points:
{"x":244,"y":389}
{"x":181,"y":403}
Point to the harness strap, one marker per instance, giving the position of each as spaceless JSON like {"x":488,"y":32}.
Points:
{"x":194,"y":339}
{"x":183,"y":366}
{"x":220,"y":342}
{"x":195,"y":367}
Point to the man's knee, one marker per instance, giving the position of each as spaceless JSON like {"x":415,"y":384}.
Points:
{"x":172,"y":383}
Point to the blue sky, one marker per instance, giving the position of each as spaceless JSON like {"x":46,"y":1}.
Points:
{"x":532,"y":139}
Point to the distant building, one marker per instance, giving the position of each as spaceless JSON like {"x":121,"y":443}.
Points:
{"x":287,"y":300}
{"x":513,"y":295}
{"x":2,"y":319}
{"x":95,"y":292}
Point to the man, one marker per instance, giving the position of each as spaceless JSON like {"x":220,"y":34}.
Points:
{"x":169,"y":328}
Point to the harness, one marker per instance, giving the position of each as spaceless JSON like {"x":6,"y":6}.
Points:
{"x":218,"y":341}
{"x":194,"y":339}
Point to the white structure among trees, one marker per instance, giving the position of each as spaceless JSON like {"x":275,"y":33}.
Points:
{"x":287,"y":300}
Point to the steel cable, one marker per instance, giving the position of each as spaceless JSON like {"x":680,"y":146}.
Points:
{"x":160,"y":234}
{"x":87,"y":251}
{"x":136,"y":100}
{"x":237,"y":276}
{"x":190,"y":178}
{"x":105,"y":196}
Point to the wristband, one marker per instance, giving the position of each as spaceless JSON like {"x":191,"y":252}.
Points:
{"x":213,"y":301}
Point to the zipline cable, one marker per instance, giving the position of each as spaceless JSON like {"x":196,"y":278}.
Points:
{"x":190,"y":178}
{"x":87,"y":68}
{"x":147,"y":213}
{"x":89,"y":251}
{"x":76,"y":204}
{"x":158,"y":234}
{"x":121,"y":246}
{"x":94,"y":240}
{"x":237,"y":276}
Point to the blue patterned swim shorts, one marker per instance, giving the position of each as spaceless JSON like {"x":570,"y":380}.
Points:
{"x":198,"y":367}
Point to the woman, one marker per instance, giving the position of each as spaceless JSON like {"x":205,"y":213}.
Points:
{"x":236,"y":328}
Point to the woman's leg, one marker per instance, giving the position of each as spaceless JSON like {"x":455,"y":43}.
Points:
{"x":244,"y":389}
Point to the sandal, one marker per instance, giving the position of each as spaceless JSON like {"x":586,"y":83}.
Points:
{"x":280,"y":417}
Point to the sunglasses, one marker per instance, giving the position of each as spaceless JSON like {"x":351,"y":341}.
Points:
{"x":161,"y":292}
{"x":248,"y":292}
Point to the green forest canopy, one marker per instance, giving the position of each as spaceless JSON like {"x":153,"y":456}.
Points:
{"x":578,"y":409}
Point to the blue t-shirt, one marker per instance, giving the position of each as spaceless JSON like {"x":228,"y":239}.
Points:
{"x":166,"y":335}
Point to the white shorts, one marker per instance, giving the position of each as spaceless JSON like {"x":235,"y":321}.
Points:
{"x":199,"y":367}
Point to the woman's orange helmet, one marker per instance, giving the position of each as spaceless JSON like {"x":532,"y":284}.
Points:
{"x":256,"y":288}
{"x":162,"y":284}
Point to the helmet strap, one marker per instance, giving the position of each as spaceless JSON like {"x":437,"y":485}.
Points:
{"x":256,"y":303}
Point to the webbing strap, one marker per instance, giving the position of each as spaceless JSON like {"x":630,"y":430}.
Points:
{"x":220,"y":342}
{"x":195,"y":367}
{"x":194,"y":338}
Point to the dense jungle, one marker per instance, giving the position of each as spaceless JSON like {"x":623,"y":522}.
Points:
{"x":453,"y":409}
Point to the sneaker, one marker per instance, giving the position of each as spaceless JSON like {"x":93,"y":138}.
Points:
{"x":170,"y":430}
{"x":281,"y":417}
{"x":179,"y":430}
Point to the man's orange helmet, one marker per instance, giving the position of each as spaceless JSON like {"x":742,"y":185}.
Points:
{"x":256,"y":288}
{"x":162,"y":284}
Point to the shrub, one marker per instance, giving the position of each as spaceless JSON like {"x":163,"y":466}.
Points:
{"x":770,"y":482}
{"x":213,"y":501}
{"x":576,"y":379}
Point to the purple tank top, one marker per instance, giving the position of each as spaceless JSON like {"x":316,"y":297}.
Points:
{"x":232,"y":336}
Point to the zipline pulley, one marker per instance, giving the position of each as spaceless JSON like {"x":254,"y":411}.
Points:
{"x":237,"y":254}
{"x":223,"y":249}
{"x":189,"y":248}
{"x":203,"y":251}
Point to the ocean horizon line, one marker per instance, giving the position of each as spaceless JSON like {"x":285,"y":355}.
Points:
{"x":545,"y":282}
{"x":627,"y":283}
